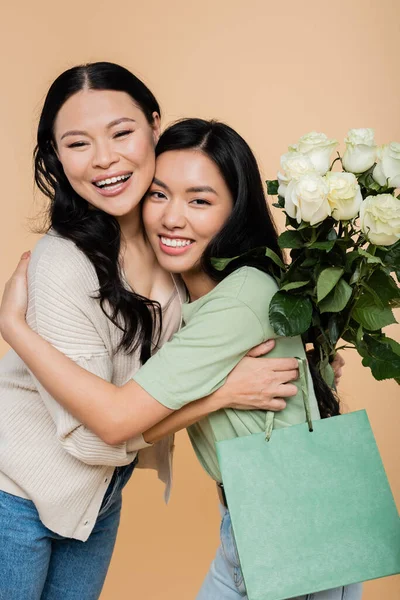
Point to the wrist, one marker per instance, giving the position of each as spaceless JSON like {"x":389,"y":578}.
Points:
{"x":11,"y":328}
{"x":219,"y":399}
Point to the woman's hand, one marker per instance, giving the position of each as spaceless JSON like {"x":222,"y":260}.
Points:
{"x":260,"y":383}
{"x":14,"y":303}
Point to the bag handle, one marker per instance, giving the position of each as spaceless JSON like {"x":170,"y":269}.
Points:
{"x":303,"y":378}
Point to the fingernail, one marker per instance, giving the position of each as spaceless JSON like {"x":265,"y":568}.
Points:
{"x":269,"y":344}
{"x":26,"y":254}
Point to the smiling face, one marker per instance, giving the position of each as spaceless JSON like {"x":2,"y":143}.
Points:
{"x":186,"y":206}
{"x":106,"y":147}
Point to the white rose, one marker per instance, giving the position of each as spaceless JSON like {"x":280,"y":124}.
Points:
{"x":307,"y":199}
{"x":360,"y":153}
{"x":344,"y":195}
{"x":380,"y":219}
{"x":293,"y":166}
{"x":387,"y":171}
{"x":318,"y":147}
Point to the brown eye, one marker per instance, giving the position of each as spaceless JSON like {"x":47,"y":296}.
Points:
{"x":157,"y":195}
{"x":200,"y":202}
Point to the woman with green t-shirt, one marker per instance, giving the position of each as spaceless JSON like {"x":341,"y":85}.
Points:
{"x":206,"y":201}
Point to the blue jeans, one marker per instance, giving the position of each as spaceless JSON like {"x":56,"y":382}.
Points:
{"x":224,"y":581}
{"x":38,"y":564}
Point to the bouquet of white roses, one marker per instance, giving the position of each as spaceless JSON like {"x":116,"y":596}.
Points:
{"x":343,"y":232}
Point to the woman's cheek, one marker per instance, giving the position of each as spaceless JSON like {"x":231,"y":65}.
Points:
{"x":151,"y":216}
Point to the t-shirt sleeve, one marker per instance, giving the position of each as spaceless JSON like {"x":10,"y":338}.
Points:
{"x":199,"y":357}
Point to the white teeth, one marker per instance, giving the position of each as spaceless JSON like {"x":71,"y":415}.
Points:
{"x":175,"y":243}
{"x":112,"y":180}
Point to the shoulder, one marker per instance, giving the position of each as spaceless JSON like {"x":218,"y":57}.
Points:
{"x":253,"y":290}
{"x":247,"y":284}
{"x":59,"y":261}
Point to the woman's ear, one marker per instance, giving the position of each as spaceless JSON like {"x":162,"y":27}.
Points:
{"x":156,"y":126}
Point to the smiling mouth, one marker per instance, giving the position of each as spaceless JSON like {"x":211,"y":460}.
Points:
{"x":109,"y":183}
{"x":175,"y":242}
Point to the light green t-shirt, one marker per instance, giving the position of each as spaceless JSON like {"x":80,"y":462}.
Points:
{"x":219,"y":329}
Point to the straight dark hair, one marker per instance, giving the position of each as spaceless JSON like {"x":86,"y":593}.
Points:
{"x":94,"y":232}
{"x":250,"y":226}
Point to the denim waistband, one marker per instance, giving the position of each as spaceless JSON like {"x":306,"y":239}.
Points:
{"x":118,"y":481}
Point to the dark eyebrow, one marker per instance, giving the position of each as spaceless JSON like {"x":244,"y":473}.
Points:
{"x":118,"y":121}
{"x":161,"y":184}
{"x":109,"y":126}
{"x":197,"y":188}
{"x":202,"y":188}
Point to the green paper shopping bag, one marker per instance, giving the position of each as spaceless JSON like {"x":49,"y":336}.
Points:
{"x":311,"y":505}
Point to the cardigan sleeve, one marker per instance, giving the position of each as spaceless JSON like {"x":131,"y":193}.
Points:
{"x":63,"y":309}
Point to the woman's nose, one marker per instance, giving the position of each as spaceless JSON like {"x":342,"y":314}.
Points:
{"x":104,"y":155}
{"x":174,"y":215}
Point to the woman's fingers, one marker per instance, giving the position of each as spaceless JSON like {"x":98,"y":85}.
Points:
{"x":261,"y":383}
{"x":286,"y":390}
{"x":286,"y":376}
{"x":277,"y":364}
{"x":337,"y":365}
{"x":276,"y":404}
{"x":261,"y":349}
{"x":22,"y":266}
{"x":15,"y":296}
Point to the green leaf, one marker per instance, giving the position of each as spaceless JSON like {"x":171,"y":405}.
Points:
{"x":280,"y":203}
{"x":311,"y":261}
{"x":370,"y":258}
{"x":274,"y":257}
{"x":371,"y":316}
{"x":290,"y":315}
{"x":383,"y":361}
{"x":384,"y":285}
{"x":359,"y":335}
{"x":294,"y":285}
{"x":327,"y":281}
{"x":374,"y":294}
{"x":331,"y":235}
{"x":395,"y":346}
{"x":291,"y":222}
{"x":290,"y":239}
{"x":350,"y":258}
{"x":392,"y":256}
{"x":356,"y":275}
{"x":334,"y":327}
{"x":272,"y":187}
{"x":328,"y":245}
{"x":337,"y":299}
{"x":221,"y":263}
{"x":328,"y":374}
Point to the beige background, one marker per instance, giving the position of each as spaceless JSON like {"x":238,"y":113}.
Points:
{"x":272,"y":69}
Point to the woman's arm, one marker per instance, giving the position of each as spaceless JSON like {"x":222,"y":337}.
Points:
{"x":59,"y":309}
{"x":116,"y":413}
{"x":235,"y":387}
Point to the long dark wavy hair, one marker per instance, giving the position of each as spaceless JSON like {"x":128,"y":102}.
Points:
{"x":94,"y":232}
{"x":250,"y":225}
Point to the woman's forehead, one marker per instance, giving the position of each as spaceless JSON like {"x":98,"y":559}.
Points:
{"x":96,"y":108}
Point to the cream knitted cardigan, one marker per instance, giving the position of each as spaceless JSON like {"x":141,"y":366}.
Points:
{"x":46,"y":455}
